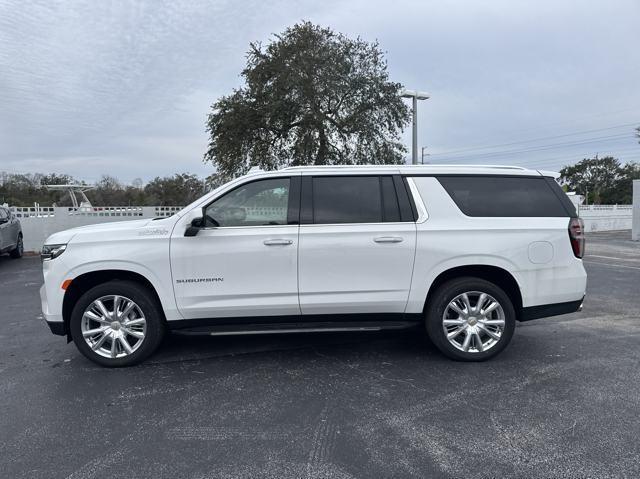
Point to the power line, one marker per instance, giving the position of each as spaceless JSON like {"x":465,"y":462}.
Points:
{"x":576,"y":120}
{"x":535,"y":148}
{"x":566,"y":160}
{"x":538,"y":139}
{"x":582,"y":155}
{"x":573,"y":121}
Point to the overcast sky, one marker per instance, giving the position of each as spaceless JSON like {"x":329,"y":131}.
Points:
{"x":124,"y":87}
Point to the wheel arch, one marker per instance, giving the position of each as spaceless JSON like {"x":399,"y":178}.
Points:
{"x":494,"y":274}
{"x":84,"y":282}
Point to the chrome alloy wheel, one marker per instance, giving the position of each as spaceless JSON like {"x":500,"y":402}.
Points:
{"x":113,"y":326}
{"x":473,"y":322}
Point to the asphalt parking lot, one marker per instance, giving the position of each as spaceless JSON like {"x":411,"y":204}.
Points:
{"x":562,"y":401}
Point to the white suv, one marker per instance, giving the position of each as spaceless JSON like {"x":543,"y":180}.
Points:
{"x":464,"y":251}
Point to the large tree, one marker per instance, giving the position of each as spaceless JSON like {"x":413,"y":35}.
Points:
{"x":605,"y":180}
{"x":311,"y":96}
{"x":177,"y":190}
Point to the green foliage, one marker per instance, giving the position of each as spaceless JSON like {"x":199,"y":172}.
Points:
{"x":179,"y":189}
{"x":176,"y":190}
{"x":605,"y":180}
{"x":311,"y":96}
{"x":27,"y":189}
{"x":629,"y":172}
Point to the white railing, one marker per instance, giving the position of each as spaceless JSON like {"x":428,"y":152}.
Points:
{"x":50,"y":211}
{"x":32,"y":211}
{"x":38,"y":223}
{"x":165,"y":211}
{"x":606,"y":207}
{"x":266,"y":212}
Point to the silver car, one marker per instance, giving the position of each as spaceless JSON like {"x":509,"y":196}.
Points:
{"x":10,"y":234}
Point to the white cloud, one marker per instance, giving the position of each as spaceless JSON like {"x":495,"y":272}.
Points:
{"x":124,"y":87}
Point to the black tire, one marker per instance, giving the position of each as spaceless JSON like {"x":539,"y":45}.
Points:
{"x":17,"y":252}
{"x":145,"y":300}
{"x":446,"y":293}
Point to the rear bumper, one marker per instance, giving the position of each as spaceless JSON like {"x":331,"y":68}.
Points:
{"x":546,"y":310}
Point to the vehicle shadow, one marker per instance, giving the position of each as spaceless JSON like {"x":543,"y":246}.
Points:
{"x":183,"y":347}
{"x":5,"y":258}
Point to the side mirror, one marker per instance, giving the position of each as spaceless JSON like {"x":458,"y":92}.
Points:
{"x":196,"y":225}
{"x":4,"y":220}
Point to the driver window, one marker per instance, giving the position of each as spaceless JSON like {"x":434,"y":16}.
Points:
{"x":259,"y":203}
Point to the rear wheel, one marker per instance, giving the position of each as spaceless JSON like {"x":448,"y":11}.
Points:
{"x":118,"y":323}
{"x":470,"y":319}
{"x":18,"y":251}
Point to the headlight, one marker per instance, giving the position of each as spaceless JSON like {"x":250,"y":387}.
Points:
{"x":52,"y":251}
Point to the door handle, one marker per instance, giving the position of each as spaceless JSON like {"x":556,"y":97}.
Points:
{"x":277,"y":242}
{"x":388,"y":239}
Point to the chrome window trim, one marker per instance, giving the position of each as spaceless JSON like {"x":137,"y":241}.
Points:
{"x":244,"y":227}
{"x":422,"y":210}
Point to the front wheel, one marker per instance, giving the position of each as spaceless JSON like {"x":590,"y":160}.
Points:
{"x":470,"y":319}
{"x":18,"y":251}
{"x":118,"y":323}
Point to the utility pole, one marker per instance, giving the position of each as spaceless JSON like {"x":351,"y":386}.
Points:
{"x":422,"y":155}
{"x":415,"y":95}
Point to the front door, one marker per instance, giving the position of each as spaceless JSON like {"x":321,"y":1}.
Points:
{"x":245,"y":261}
{"x":356,"y":247}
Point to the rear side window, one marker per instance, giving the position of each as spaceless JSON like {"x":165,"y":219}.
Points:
{"x":504,"y":196}
{"x":347,"y":199}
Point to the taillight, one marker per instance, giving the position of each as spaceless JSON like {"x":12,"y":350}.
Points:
{"x":576,"y":236}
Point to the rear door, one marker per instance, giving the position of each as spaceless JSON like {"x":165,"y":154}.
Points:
{"x":357,"y":244}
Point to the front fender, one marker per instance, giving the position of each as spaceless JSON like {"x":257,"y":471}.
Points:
{"x":162,"y":287}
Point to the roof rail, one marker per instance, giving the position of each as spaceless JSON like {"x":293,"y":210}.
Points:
{"x":288,"y":168}
{"x":506,"y":167}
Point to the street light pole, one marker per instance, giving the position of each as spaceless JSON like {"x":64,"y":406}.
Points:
{"x":414,"y":134}
{"x":415,"y":96}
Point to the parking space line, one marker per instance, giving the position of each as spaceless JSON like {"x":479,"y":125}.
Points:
{"x":612,"y":265}
{"x":610,"y":257}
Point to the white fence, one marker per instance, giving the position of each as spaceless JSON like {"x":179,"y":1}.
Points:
{"x":606,"y":217}
{"x":93,"y":211}
{"x":38,"y":223}
{"x":635,"y":234}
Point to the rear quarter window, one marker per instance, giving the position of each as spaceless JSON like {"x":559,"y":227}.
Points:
{"x":508,"y":196}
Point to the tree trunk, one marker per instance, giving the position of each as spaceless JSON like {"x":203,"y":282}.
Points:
{"x":321,"y":158}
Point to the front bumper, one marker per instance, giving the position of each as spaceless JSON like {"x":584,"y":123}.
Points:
{"x":54,"y":321}
{"x":57,"y":328}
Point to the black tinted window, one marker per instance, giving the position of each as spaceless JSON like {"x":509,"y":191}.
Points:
{"x":391,"y":210}
{"x":503,"y":196}
{"x":347,"y":199}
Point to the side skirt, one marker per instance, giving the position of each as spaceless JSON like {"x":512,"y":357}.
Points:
{"x":294,"y":324}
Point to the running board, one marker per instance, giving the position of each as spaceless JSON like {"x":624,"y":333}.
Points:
{"x":292,"y":328}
